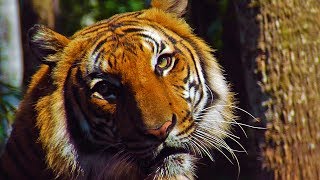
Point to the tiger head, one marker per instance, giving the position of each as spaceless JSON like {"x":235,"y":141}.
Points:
{"x":137,"y":93}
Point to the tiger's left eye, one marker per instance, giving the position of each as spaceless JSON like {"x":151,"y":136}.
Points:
{"x":164,"y":62}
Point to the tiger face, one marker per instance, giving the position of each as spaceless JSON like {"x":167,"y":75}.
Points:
{"x":137,"y":95}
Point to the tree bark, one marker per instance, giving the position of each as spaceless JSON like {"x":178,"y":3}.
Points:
{"x":34,"y":12}
{"x":280,"y":50}
{"x":10,"y":43}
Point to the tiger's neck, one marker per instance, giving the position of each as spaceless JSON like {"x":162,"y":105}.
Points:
{"x":23,"y":156}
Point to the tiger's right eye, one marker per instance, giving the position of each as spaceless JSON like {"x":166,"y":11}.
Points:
{"x":105,"y":90}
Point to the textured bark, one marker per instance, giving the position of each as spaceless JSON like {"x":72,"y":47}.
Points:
{"x":10,"y":48}
{"x":34,"y":12}
{"x":280,"y":45}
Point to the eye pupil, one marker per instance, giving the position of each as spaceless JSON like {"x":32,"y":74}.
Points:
{"x":106,"y":90}
{"x":102,"y":88}
{"x":164,"y":61}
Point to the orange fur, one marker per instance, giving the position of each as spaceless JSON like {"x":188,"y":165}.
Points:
{"x":155,"y":97}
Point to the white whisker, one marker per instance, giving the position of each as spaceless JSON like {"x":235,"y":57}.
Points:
{"x":205,"y":150}
{"x":237,"y":123}
{"x":235,"y":107}
{"x":210,"y":137}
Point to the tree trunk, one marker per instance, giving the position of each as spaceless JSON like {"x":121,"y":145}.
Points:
{"x":280,"y":51}
{"x":35,"y":12}
{"x":10,"y":43}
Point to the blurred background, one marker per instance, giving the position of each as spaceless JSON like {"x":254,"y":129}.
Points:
{"x":270,"y":52}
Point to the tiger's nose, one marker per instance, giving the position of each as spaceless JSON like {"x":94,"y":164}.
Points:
{"x":163,"y":131}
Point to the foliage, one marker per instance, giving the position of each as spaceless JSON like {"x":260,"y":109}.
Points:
{"x":8,"y":95}
{"x":215,"y":28}
{"x":76,"y":14}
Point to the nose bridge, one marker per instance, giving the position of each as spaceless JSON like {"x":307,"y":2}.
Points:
{"x":149,"y":93}
{"x":153,"y":102}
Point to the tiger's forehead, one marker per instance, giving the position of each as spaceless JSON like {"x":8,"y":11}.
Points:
{"x":133,"y":37}
{"x":118,"y":42}
{"x":128,"y":22}
{"x":141,"y":47}
{"x":145,"y":34}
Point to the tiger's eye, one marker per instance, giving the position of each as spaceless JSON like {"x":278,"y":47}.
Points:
{"x":105,"y":90}
{"x":164,"y":61}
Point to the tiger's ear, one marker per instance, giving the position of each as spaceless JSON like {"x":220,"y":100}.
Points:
{"x":44,"y":42}
{"x":177,"y":7}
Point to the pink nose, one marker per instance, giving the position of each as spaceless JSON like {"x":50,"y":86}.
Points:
{"x":161,"y":132}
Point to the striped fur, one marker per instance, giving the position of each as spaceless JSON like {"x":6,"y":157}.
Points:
{"x":91,"y":105}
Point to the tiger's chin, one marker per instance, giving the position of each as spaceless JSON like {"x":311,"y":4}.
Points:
{"x":171,"y":163}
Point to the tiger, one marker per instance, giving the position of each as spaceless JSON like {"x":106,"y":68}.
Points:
{"x":135,"y":96}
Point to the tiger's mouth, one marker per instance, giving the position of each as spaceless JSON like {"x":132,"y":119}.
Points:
{"x":159,"y":159}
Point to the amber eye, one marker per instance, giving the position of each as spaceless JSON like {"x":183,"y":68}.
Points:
{"x":164,"y":62}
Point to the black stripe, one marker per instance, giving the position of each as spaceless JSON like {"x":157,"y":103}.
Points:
{"x":187,"y":116}
{"x":193,"y":84}
{"x":164,"y":32}
{"x":187,"y":129}
{"x":181,"y":95}
{"x":200,"y":98}
{"x":110,"y":64}
{"x":130,"y":48}
{"x":97,"y":58}
{"x":98,"y":46}
{"x":212,"y":97}
{"x":179,"y":87}
{"x":113,"y":58}
{"x":107,"y":22}
{"x":132,"y":30}
{"x":162,"y":47}
{"x":175,"y":63}
{"x":173,"y":41}
{"x":150,"y":38}
{"x":115,"y":26}
{"x":188,"y":99}
{"x":201,"y":58}
{"x":141,"y":47}
{"x":193,"y":59}
{"x":98,"y":26}
{"x":186,"y":79}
